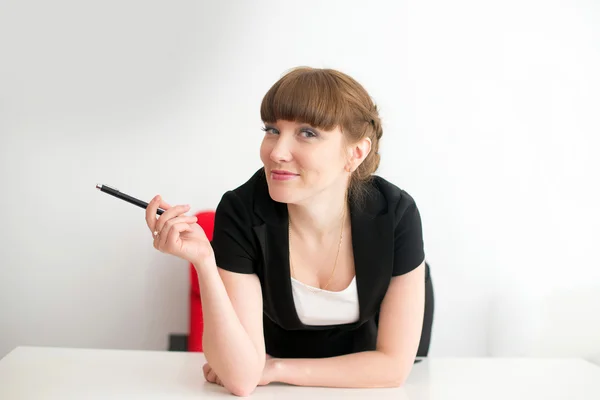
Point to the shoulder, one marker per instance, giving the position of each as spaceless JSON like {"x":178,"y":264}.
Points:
{"x":385,"y":197}
{"x":239,"y":200}
{"x":405,"y":218}
{"x":251,"y":200}
{"x":233,"y":241}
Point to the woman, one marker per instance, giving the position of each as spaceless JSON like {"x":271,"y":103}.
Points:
{"x":315,"y":274}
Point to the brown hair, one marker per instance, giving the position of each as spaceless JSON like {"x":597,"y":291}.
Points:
{"x":326,"y":98}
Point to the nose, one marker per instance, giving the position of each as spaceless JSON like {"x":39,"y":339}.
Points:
{"x":281,"y":151}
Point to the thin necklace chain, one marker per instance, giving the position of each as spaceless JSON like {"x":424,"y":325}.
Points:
{"x":336,"y":256}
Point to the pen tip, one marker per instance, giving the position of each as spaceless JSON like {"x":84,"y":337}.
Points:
{"x":98,"y":186}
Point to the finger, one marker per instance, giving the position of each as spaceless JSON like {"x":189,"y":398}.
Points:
{"x":151,"y":212}
{"x":218,"y":381}
{"x":212,"y":377}
{"x":172,"y":238}
{"x":206,"y":369}
{"x":169,"y":236}
{"x":172,"y":212}
{"x":151,"y":209}
{"x":161,"y":238}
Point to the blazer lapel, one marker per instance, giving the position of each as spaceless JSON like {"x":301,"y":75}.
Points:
{"x":373,"y":247}
{"x":272,"y":235}
{"x":277,"y":290}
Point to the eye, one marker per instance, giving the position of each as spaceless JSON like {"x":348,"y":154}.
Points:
{"x":307,"y":133}
{"x":270,"y":129}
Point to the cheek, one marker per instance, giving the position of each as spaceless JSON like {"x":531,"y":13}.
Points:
{"x":325,"y":161}
{"x":265,"y":151}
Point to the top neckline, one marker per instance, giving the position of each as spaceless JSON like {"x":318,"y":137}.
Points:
{"x":319,"y":290}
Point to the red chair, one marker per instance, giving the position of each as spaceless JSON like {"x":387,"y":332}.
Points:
{"x":206,"y":219}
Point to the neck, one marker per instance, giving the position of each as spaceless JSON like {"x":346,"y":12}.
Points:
{"x":321,"y":216}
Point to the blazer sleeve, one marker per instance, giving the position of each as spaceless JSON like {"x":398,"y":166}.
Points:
{"x":409,"y":250}
{"x":232,"y":240}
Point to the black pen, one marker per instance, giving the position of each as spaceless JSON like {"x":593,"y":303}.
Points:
{"x":119,"y":195}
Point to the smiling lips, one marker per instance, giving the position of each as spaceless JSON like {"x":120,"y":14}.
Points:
{"x":282,"y":175}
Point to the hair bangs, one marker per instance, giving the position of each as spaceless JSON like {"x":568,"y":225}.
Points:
{"x":307,"y":96}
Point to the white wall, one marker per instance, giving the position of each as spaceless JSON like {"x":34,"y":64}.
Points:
{"x":490,"y":116}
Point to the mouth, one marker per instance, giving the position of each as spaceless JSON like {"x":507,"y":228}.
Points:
{"x":282,"y":175}
{"x":282,"y":172}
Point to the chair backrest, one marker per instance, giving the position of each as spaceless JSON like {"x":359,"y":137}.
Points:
{"x":206,"y":220}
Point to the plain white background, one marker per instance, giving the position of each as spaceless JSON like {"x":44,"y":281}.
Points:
{"x":490,"y":113}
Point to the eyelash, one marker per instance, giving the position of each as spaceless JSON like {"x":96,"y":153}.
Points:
{"x":267,"y":129}
{"x":308,"y":131}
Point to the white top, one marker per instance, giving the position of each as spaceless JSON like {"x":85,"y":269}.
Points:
{"x":29,"y":373}
{"x":316,"y":306}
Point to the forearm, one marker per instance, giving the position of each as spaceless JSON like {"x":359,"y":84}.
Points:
{"x":368,"y":369}
{"x":227,"y":346}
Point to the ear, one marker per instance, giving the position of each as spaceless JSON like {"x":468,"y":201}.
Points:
{"x":357,"y":154}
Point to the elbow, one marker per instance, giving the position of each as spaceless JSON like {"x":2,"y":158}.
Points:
{"x":396,"y":376}
{"x":396,"y":381}
{"x":397,"y":372}
{"x":240,"y":379}
{"x":242,"y":389}
{"x":244,"y":384}
{"x":392,"y":380}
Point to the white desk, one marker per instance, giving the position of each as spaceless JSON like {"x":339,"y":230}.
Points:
{"x":59,"y":373}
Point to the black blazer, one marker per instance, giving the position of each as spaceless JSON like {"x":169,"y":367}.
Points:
{"x":251,"y":237}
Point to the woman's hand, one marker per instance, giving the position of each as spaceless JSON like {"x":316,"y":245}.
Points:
{"x":267,"y":376}
{"x":176,"y":233}
{"x":210,"y":376}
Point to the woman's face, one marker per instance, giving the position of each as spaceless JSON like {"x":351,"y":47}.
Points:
{"x":301,"y":161}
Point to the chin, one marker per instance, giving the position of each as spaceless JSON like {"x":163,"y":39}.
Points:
{"x":281,"y":194}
